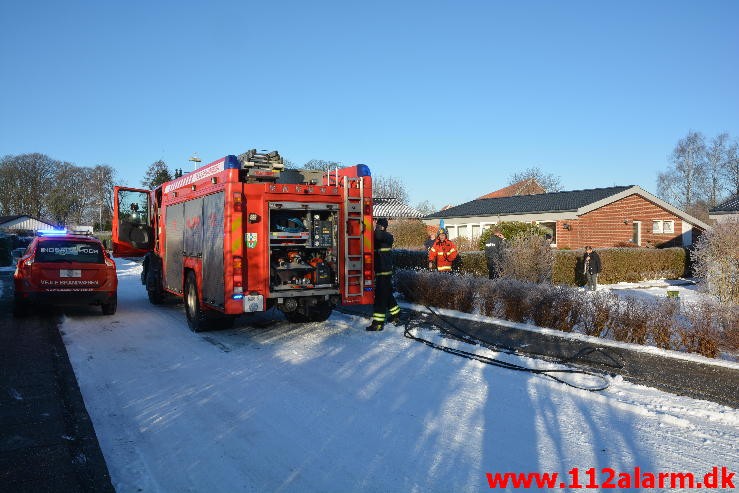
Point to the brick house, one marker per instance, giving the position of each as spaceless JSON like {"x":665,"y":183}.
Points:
{"x":601,"y":217}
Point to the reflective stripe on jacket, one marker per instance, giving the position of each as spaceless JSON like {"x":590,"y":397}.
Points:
{"x":383,"y":253}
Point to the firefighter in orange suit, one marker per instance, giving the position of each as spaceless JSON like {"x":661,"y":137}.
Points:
{"x":442,"y":252}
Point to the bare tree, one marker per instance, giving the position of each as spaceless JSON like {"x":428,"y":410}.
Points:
{"x":321,"y":165}
{"x":25,"y":180}
{"x":11,"y":173}
{"x":548,"y":181}
{"x":389,"y":187}
{"x":716,"y":261}
{"x":731,"y":171}
{"x":685,"y":182}
{"x":156,"y":174}
{"x":100,"y":187}
{"x":426,"y":208}
{"x":67,"y":197}
{"x":717,"y":159}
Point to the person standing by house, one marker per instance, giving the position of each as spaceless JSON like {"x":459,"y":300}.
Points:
{"x":442,"y":252}
{"x":429,"y":242}
{"x":384,"y":299}
{"x":494,"y":252}
{"x":591,"y":261}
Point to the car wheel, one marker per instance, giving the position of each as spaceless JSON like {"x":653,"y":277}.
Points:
{"x":196,"y":319}
{"x":110,"y":307}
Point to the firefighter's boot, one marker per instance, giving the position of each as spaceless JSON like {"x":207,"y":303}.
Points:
{"x":375,"y":326}
{"x":394,"y":315}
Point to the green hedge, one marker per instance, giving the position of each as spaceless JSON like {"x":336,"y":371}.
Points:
{"x":619,"y":264}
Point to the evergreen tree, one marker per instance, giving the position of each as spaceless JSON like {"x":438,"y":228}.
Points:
{"x":156,"y":174}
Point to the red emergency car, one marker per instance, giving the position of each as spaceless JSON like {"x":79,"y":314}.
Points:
{"x":65,"y":269}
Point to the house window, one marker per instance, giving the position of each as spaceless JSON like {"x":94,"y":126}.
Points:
{"x":475,"y":231}
{"x":462,"y":231}
{"x":660,"y":227}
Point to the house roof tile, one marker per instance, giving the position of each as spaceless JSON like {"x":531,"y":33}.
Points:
{"x":731,"y":205}
{"x":393,"y":209}
{"x":526,"y":204}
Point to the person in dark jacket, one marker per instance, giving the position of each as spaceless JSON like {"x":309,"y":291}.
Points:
{"x":494,"y":252}
{"x":384,"y":299}
{"x":429,"y":242}
{"x":591,"y":261}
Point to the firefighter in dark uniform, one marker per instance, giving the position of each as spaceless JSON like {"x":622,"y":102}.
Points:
{"x":384,"y":299}
{"x":494,"y":252}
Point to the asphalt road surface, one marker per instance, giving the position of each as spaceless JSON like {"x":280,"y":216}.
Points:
{"x":47,"y":441}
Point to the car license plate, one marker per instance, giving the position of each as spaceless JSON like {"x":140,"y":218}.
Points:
{"x":70,"y":273}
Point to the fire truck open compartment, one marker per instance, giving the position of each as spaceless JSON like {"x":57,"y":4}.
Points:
{"x":303,"y":241}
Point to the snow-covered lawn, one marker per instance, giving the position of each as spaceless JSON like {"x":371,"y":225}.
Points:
{"x":269,"y":406}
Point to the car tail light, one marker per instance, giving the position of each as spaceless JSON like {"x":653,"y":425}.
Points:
{"x":109,"y":262}
{"x":367,"y":208}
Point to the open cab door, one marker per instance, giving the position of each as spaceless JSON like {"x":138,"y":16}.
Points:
{"x":133,"y":221}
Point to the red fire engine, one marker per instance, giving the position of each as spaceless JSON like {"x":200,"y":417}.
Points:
{"x":243,"y":234}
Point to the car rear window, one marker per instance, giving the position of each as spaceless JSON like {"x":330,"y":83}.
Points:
{"x":69,"y":251}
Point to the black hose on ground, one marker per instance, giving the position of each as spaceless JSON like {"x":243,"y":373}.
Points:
{"x":554,"y":374}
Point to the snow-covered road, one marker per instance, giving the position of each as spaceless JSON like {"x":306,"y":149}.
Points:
{"x":270,"y":406}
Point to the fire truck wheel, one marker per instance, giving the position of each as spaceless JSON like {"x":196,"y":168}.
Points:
{"x":195,"y":315}
{"x":154,"y":287}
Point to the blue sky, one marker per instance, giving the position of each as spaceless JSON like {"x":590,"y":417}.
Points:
{"x":451,"y":97}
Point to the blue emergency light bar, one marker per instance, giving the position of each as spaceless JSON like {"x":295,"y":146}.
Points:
{"x":363,"y":170}
{"x":51,"y":232}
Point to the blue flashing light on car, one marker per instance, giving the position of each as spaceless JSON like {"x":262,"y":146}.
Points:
{"x":51,"y":232}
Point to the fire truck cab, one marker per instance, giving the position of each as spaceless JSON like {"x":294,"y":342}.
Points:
{"x":243,"y":234}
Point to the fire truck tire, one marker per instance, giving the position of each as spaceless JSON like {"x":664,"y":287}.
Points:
{"x":196,"y":318}
{"x":154,"y":287}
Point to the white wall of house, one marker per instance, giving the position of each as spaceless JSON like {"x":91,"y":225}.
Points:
{"x":470,"y":227}
{"x":27,"y":223}
{"x":687,"y":233}
{"x":721,"y":218}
